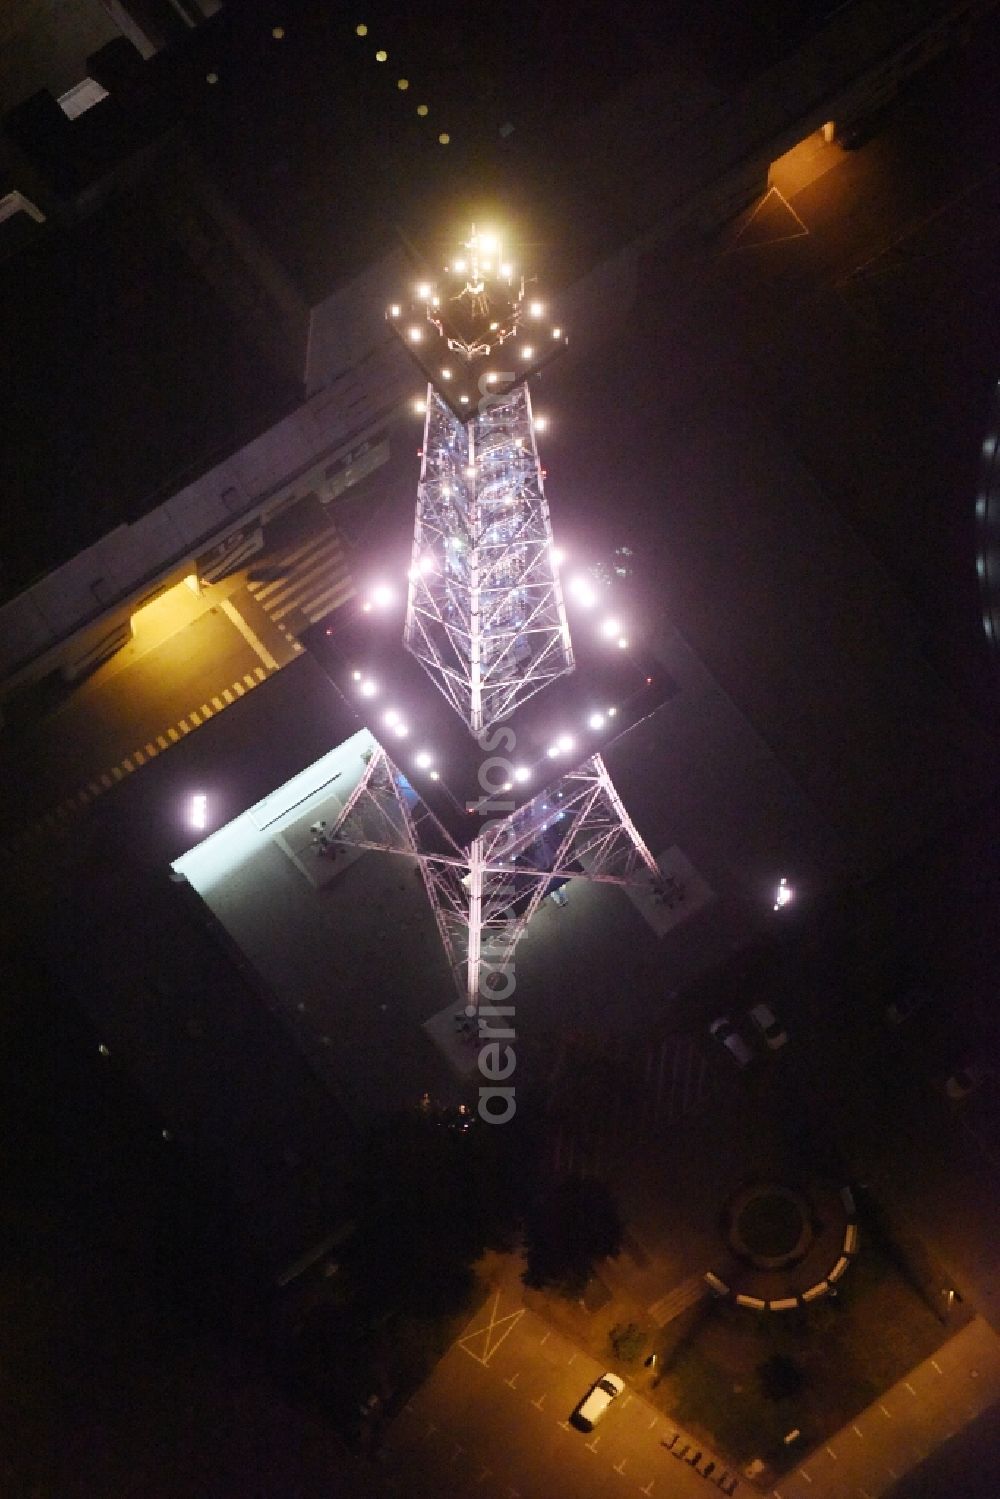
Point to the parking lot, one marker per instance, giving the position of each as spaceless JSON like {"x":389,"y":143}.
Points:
{"x":493,"y":1422}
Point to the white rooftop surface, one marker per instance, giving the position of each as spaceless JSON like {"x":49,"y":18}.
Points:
{"x":348,"y":947}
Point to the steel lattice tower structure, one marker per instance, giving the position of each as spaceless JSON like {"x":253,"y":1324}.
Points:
{"x":484,"y":896}
{"x":485,"y":614}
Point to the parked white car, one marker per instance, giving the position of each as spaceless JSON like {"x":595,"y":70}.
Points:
{"x":594,"y":1404}
{"x":769,"y":1025}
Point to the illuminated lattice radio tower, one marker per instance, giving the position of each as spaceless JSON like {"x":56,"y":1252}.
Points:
{"x":485,"y":614}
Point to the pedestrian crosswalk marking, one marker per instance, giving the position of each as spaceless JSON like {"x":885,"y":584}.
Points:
{"x":217,"y":704}
{"x":249,"y":679}
{"x":150,"y":750}
{"x":239,"y":689}
{"x":128,"y":764}
{"x":162,"y":741}
{"x":227,"y":694}
{"x":259,"y":673}
{"x":314,"y":579}
{"x":173,"y":735}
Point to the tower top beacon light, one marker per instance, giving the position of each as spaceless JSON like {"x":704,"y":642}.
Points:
{"x":474,"y":329}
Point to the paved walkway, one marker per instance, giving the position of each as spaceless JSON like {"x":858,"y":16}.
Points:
{"x":912,"y":1418}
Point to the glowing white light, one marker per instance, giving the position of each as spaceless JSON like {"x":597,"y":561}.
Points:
{"x":419,"y":406}
{"x":435,"y":776}
{"x":528,"y":352}
{"x":471,"y":470}
{"x":535,"y":309}
{"x":460,"y":265}
{"x":395,"y":309}
{"x":623,"y":642}
{"x":552,"y":751}
{"x":464,"y":400}
{"x":356,"y":675}
{"x":522,"y":773}
{"x":582,"y":592}
{"x":400,"y":730}
{"x":783,"y":894}
{"x":415,"y":335}
{"x":541,"y":422}
{"x":566,"y":742}
{"x":446,"y":374}
{"x":391,"y":718}
{"x":558,"y":556}
{"x":426,"y":564}
{"x":506,"y":271}
{"x":383,"y":595}
{"x":611,"y":627}
{"x":596,"y":720}
{"x":198,"y":815}
{"x":487,"y":243}
{"x":422,"y":761}
{"x":557,"y":333}
{"x":612,"y":712}
{"x":423,"y":291}
{"x":368,"y":688}
{"x":486,"y":265}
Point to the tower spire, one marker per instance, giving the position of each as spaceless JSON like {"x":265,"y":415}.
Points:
{"x":485,"y":613}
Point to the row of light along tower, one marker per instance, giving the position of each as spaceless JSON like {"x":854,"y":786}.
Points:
{"x":486,"y":619}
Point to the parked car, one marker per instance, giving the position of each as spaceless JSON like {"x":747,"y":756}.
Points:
{"x":728,"y":1036}
{"x":597,"y":1400}
{"x":770,"y":1027}
{"x":963,"y":1081}
{"x":906,"y":1005}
